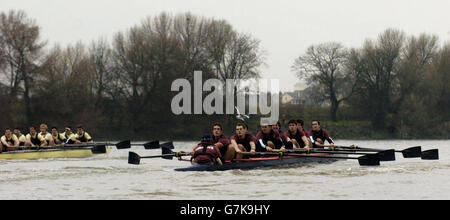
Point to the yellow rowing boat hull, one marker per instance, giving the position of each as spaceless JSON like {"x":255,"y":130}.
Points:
{"x":43,"y":154}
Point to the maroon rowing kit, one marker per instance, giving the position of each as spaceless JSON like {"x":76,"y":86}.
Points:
{"x":206,"y":154}
{"x":321,"y":134}
{"x":297,"y":136}
{"x":245,"y":141}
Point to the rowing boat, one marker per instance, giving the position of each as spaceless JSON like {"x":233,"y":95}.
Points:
{"x":291,"y":157}
{"x":49,"y":153}
{"x":260,"y":162}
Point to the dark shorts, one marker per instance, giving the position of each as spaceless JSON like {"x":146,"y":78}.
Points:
{"x":259,"y":148}
{"x":289,"y":145}
{"x":223,"y":151}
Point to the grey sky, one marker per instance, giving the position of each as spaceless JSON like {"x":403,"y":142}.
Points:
{"x":285,"y":27}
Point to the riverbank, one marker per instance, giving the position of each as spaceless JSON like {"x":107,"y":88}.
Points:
{"x":349,"y":130}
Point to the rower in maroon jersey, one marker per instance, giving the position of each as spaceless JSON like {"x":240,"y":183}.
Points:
{"x":243,"y":141}
{"x":318,"y":135}
{"x":277,"y":127}
{"x":296,"y":136}
{"x":222,"y":142}
{"x":268,"y":139}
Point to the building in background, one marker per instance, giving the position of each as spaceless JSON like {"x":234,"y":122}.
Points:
{"x":300,"y":96}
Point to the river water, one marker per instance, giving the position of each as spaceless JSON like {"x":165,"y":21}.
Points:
{"x":110,"y":177}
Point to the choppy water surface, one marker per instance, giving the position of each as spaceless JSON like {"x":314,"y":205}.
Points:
{"x":110,"y":177}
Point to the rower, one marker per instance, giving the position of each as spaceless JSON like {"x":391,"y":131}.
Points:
{"x":296,"y":136}
{"x":34,"y":139}
{"x":222,"y":142}
{"x":82,"y":136}
{"x":70,"y":137}
{"x":243,"y":141}
{"x":318,"y":135}
{"x":59,"y":138}
{"x":20,"y":136}
{"x":284,"y":138}
{"x":206,"y":152}
{"x":46,"y":136}
{"x":268,"y":139}
{"x":300,"y":126}
{"x":9,"y":141}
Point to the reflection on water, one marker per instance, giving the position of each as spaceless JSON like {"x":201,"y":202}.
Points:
{"x":110,"y":177}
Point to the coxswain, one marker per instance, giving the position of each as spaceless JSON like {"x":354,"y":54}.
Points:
{"x":82,"y":136}
{"x":34,"y":139}
{"x":70,"y":137}
{"x":20,"y":136}
{"x":206,"y":152}
{"x":318,"y":135}
{"x":46,"y":136}
{"x":9,"y":141}
{"x":58,"y":138}
{"x":268,"y":139}
{"x":296,"y":136}
{"x":243,"y":141}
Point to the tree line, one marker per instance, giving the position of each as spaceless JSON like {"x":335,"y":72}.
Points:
{"x":122,"y":87}
{"x":399,"y":83}
{"x":117,"y":87}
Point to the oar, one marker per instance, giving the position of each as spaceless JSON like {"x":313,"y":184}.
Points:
{"x":134,"y":158}
{"x":430,"y":154}
{"x":386,"y":155}
{"x":366,"y":160}
{"x":126,"y":144}
{"x":412,"y":152}
{"x":155,"y":145}
{"x":96,"y":149}
{"x":120,"y":145}
{"x":151,"y":145}
{"x":148,"y":146}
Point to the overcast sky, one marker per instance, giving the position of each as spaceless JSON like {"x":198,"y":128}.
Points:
{"x":284,"y":27}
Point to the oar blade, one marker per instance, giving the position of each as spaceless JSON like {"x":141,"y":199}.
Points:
{"x":369,"y":160}
{"x":152,"y":145}
{"x":124,"y":145}
{"x":167,"y":153}
{"x":99,"y":149}
{"x":413,"y":152}
{"x":168,"y":145}
{"x":387,"y":155}
{"x":430,"y":154}
{"x":134,"y":158}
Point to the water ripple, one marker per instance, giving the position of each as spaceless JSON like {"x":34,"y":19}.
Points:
{"x":111,"y":177}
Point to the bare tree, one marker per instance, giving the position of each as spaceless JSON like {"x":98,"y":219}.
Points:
{"x":2,"y":53}
{"x":417,"y":57}
{"x":22,"y":49}
{"x":324,"y":65}
{"x":135,"y":68}
{"x":377,"y":85}
{"x":63,"y":86}
{"x":100,"y":58}
{"x":192,"y":34}
{"x":235,"y":55}
{"x":129,"y":66}
{"x":437,"y":84}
